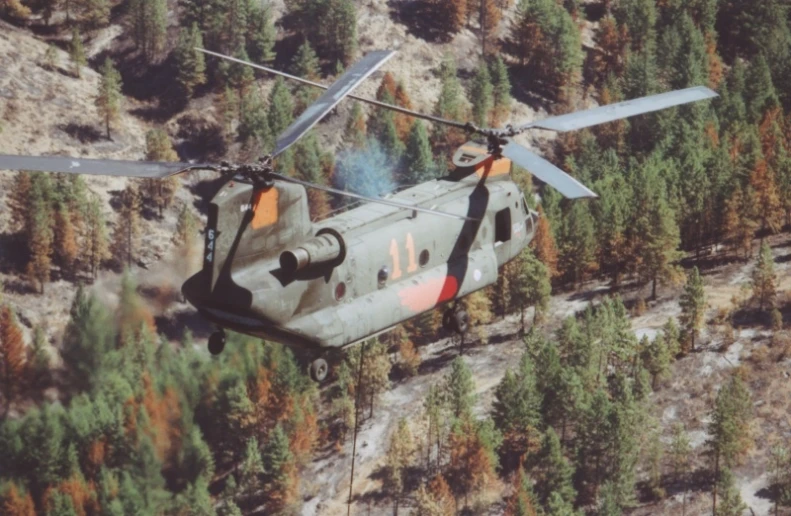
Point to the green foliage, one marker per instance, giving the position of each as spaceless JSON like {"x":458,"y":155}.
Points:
{"x":764,"y":280}
{"x":149,"y":26}
{"x":109,"y":98}
{"x":460,"y":388}
{"x":693,"y":308}
{"x":517,"y":401}
{"x":730,"y":423}
{"x":482,"y":95}
{"x":77,"y":52}
{"x":262,"y":35}
{"x":419,"y":164}
{"x":556,"y":480}
{"x":731,"y":503}
{"x":190,"y":63}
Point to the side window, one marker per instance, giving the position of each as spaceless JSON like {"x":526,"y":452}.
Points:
{"x":502,"y":225}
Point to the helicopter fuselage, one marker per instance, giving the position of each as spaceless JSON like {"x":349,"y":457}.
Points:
{"x":375,"y":267}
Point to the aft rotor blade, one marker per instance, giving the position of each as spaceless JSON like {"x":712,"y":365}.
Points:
{"x":99,"y":167}
{"x":546,"y":171}
{"x":620,"y":110}
{"x":378,"y":200}
{"x":373,"y":102}
{"x":330,"y":98}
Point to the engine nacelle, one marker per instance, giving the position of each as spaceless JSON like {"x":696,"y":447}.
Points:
{"x":324,"y":248}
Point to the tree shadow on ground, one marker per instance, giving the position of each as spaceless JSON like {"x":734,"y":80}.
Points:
{"x":421,"y":19}
{"x":82,"y":132}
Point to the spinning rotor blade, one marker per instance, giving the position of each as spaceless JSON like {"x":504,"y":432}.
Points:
{"x":546,"y":171}
{"x":330,"y":98}
{"x":399,"y":109}
{"x":99,"y":167}
{"x":620,"y":110}
{"x":378,"y":200}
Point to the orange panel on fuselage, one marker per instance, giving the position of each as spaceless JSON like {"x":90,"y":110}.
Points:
{"x":494,"y":168}
{"x":265,"y":209}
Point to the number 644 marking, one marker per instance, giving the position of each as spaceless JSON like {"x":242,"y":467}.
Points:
{"x":394,"y":254}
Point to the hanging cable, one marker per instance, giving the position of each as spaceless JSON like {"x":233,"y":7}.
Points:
{"x":356,"y":425}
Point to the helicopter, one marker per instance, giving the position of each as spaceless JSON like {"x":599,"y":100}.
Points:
{"x":270,"y":272}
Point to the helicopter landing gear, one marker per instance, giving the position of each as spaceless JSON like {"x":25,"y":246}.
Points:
{"x":318,"y":370}
{"x":456,"y":320}
{"x":217,"y":342}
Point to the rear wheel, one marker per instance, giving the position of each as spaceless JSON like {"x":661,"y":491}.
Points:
{"x":461,"y":321}
{"x":318,"y":370}
{"x":217,"y":342}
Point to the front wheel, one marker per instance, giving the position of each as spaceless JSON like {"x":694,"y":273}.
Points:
{"x":318,"y":370}
{"x":461,"y":322}
{"x":217,"y":342}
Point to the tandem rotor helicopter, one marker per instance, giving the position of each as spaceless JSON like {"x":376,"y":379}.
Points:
{"x":269,"y":272}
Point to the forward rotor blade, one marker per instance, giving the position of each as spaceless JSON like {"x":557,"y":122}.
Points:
{"x":398,"y":109}
{"x":378,"y":200}
{"x":99,"y":167}
{"x":546,"y":172}
{"x":330,"y":98}
{"x":620,"y":110}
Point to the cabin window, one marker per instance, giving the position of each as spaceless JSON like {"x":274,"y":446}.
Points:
{"x":423,"y":258}
{"x":383,"y":275}
{"x":502,"y":226}
{"x":340,"y":290}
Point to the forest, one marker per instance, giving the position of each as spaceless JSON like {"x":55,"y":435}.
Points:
{"x":148,"y":424}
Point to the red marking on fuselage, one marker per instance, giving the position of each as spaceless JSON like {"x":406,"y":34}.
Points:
{"x":429,"y":294}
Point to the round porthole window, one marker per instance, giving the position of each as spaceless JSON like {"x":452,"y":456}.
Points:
{"x":382,"y":276}
{"x":423,"y":258}
{"x":340,"y":290}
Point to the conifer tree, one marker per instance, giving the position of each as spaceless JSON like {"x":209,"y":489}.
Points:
{"x":530,"y":286}
{"x":355,"y":128}
{"x":242,"y":78}
{"x":759,"y":93}
{"x":557,"y":472}
{"x":482,"y":95}
{"x":96,"y":234}
{"x":12,"y":358}
{"x":767,"y":202}
{"x":190,"y":63}
{"x":543,"y":244}
{"x":186,"y":234}
{"x":149,"y":26}
{"x":460,"y":388}
{"x":66,"y":248}
{"x":341,"y":31}
{"x":764,"y":280}
{"x":418,"y":163}
{"x":16,"y":501}
{"x":729,"y":429}
{"x":501,"y":89}
{"x":731,"y":503}
{"x":578,"y":247}
{"x":522,"y":501}
{"x":656,"y":358}
{"x":127,"y":227}
{"x":305,"y":65}
{"x":40,"y":236}
{"x":398,"y":458}
{"x":693,"y":309}
{"x":448,"y":104}
{"x":436,"y":499}
{"x":279,"y":479}
{"x":77,"y":52}
{"x":108,"y":99}
{"x":160,"y":191}
{"x":403,"y":122}
{"x":473,"y":460}
{"x":489,"y":16}
{"x":281,"y":107}
{"x":38,"y":359}
{"x":252,"y":468}
{"x":261,"y":36}
{"x":254,"y":123}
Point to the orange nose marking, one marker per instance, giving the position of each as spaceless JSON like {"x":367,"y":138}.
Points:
{"x":265,"y":208}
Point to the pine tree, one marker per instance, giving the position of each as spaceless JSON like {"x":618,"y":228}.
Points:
{"x":530,"y":286}
{"x":96,"y":229}
{"x":729,"y":428}
{"x":252,"y":468}
{"x":656,"y":358}
{"x":95,"y":13}
{"x":40,"y":236}
{"x":482,"y":94}
{"x":764,"y":280}
{"x":460,"y":388}
{"x":403,"y":122}
{"x":281,"y":107}
{"x":731,"y":503}
{"x":279,"y":478}
{"x":160,"y":191}
{"x":88,"y":341}
{"x":489,"y":16}
{"x":39,"y":359}
{"x":127,"y":228}
{"x":543,"y":244}
{"x":77,"y":52}
{"x":398,"y":458}
{"x":186,"y":235}
{"x":356,"y":129}
{"x":13,"y":374}
{"x":190,"y":63}
{"x":242,"y":78}
{"x":767,"y":202}
{"x":501,"y":85}
{"x":149,"y":26}
{"x":522,"y":501}
{"x":108,"y":99}
{"x":16,"y":501}
{"x":578,"y":245}
{"x":693,"y":309}
{"x":66,"y":248}
{"x":261,"y":36}
{"x":436,"y":499}
{"x":305,"y":65}
{"x":419,"y":164}
{"x":759,"y":93}
{"x":341,"y":31}
{"x":51,"y":57}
